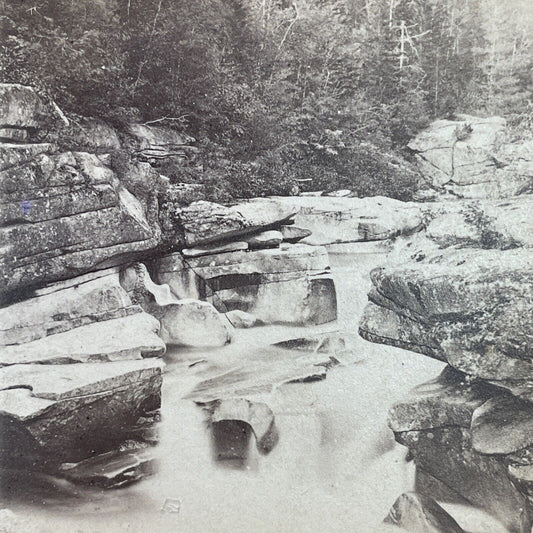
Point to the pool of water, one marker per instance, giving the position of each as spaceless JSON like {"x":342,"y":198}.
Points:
{"x":335,"y":467}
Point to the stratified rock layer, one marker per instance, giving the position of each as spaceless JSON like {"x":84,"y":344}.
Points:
{"x":64,"y":215}
{"x":288,"y":285}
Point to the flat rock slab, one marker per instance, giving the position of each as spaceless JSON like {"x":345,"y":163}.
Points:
{"x":417,"y":513}
{"x":499,"y":224}
{"x":63,"y":306}
{"x":130,"y":337}
{"x":67,"y":412}
{"x":341,"y":220}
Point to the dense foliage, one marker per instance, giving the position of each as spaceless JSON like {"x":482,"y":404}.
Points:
{"x":320,"y":93}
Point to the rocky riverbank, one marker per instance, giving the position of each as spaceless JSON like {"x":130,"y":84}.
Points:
{"x":106,"y":263}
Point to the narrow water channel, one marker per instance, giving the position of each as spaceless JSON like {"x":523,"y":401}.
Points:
{"x":335,"y":468}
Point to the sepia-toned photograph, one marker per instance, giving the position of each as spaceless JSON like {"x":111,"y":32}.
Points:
{"x":266,"y":266}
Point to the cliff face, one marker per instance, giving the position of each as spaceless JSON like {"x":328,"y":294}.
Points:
{"x":461,"y":292}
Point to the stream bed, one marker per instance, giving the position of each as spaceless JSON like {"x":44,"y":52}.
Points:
{"x":335,"y":466}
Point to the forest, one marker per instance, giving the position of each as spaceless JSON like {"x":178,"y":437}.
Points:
{"x":279,"y":95}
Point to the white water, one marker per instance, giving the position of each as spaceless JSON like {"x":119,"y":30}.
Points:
{"x":336,"y":467}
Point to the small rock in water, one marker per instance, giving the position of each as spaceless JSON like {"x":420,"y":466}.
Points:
{"x":293,"y":234}
{"x":328,"y":343}
{"x":257,"y":415}
{"x":199,"y":251}
{"x":242,"y":319}
{"x":171,"y":505}
{"x":266,"y":239}
{"x":420,"y":514}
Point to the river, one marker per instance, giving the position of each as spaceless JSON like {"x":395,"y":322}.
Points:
{"x":335,"y":468}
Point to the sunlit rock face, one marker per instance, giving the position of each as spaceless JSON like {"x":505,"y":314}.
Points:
{"x":291,"y":285}
{"x":473,"y":157}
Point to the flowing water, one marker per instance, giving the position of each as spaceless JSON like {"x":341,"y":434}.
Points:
{"x":335,"y":468}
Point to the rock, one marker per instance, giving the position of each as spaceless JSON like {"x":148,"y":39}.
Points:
{"x":206,"y":222}
{"x":502,"y":426}
{"x":471,"y":158}
{"x":294,"y":234}
{"x":20,"y":107}
{"x":265,"y":239}
{"x":329,"y":342}
{"x":483,"y":224}
{"x":137,"y":282}
{"x":199,"y":251}
{"x":68,"y":412}
{"x":471,"y":308}
{"x":292,"y":285}
{"x":449,"y":400}
{"x":194,"y":323}
{"x":185,"y":193}
{"x":257,"y":415}
{"x":446,"y":454}
{"x":67,"y":214}
{"x":417,"y":513}
{"x":131,"y":337}
{"x":65,"y":305}
{"x":185,"y":322}
{"x":241,"y":319}
{"x":339,"y":220}
{"x":112,"y":469}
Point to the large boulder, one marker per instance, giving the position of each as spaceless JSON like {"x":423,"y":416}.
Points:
{"x":291,"y":285}
{"x":342,"y":220}
{"x":185,"y":322}
{"x":68,"y":412}
{"x":471,"y":157}
{"x":64,"y":215}
{"x":471,"y":308}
